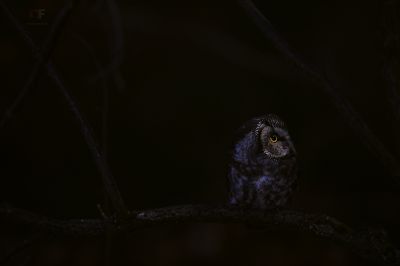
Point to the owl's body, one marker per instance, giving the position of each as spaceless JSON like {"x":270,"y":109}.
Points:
{"x":263,"y":171}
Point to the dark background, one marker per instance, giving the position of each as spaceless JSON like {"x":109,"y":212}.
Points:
{"x":185,"y":77}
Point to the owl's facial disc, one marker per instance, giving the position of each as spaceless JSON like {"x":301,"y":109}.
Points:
{"x":275,"y":141}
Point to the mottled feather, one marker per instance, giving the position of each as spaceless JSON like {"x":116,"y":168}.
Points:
{"x":263,"y":171}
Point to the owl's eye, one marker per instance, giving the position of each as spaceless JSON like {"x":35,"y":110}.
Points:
{"x":273,"y":138}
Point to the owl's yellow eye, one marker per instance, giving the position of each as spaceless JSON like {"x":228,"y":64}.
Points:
{"x":273,"y":138}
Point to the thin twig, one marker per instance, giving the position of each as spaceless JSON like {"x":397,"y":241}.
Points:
{"x":370,"y":245}
{"x":117,"y":55}
{"x":47,"y":49}
{"x":104,"y":137}
{"x":354,"y":120}
{"x":116,"y":37}
{"x":106,"y":176}
{"x":391,"y":53}
{"x":23,"y":245}
{"x":224,"y":44}
{"x":105,"y":93}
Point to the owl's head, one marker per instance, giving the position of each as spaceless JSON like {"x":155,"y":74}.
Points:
{"x":265,"y":136}
{"x":273,"y":137}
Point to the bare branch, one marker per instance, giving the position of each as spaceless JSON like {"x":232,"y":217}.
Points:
{"x":47,"y":49}
{"x":105,"y":92}
{"x":105,"y":111}
{"x":17,"y":250}
{"x":391,"y":53}
{"x":106,"y":176}
{"x":354,"y":120}
{"x":370,"y":245}
{"x":116,"y":40}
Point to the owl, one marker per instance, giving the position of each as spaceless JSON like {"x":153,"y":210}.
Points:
{"x":263,"y":170}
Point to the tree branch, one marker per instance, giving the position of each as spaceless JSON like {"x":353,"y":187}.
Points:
{"x":353,"y":119}
{"x":104,"y":135}
{"x":47,"y":49}
{"x":105,"y":91}
{"x":21,"y":247}
{"x":370,"y":245}
{"x":391,"y":53}
{"x":116,"y":42}
{"x":105,"y":173}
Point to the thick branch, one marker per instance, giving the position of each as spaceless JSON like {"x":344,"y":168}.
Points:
{"x":368,"y":244}
{"x":353,"y":119}
{"x":105,"y":173}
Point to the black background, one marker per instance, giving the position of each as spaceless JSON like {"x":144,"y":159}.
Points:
{"x":191,"y":72}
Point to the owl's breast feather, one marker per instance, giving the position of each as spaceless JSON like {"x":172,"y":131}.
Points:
{"x":263,"y":182}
